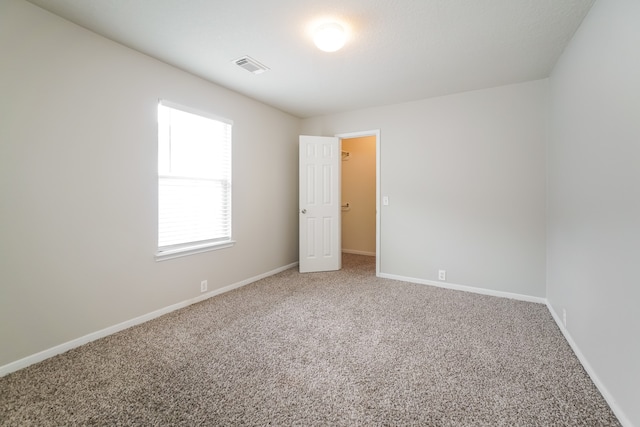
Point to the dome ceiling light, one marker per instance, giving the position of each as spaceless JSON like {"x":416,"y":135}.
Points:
{"x":330,"y":37}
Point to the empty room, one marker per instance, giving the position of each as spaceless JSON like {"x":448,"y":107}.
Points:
{"x":354,"y":212}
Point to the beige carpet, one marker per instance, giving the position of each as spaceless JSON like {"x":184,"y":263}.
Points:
{"x":340,"y":348}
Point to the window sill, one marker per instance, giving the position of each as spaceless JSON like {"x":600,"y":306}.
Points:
{"x":190,"y":250}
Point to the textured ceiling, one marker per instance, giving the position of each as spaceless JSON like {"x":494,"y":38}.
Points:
{"x":398,"y":50}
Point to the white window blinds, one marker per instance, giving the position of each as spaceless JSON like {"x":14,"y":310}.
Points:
{"x":194,"y":179}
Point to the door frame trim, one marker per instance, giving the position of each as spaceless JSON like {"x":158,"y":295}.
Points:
{"x":376,"y":133}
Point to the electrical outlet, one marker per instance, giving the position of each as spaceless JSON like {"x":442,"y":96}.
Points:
{"x":203,"y":286}
{"x":564,"y":317}
{"x":442,"y":275}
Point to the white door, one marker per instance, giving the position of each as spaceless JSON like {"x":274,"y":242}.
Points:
{"x":319,"y":214}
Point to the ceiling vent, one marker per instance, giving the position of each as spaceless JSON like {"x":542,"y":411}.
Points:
{"x":251,"y":65}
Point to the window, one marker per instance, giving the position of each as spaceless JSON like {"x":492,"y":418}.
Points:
{"x":194,"y":181}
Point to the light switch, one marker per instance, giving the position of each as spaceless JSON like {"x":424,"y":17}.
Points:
{"x":385,"y":200}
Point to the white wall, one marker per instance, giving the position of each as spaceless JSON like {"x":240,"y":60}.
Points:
{"x":78,"y":184}
{"x":465,"y":177}
{"x":594,"y":196}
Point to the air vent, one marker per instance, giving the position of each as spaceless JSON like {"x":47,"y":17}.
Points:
{"x":251,"y":65}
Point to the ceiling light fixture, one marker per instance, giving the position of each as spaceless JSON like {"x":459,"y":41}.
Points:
{"x":330,"y":37}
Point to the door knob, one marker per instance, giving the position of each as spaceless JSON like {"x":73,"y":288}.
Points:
{"x":304,"y":211}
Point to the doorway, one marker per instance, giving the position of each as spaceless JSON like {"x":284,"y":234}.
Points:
{"x":360,"y":177}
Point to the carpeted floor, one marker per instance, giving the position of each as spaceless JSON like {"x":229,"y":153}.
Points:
{"x":339,"y":348}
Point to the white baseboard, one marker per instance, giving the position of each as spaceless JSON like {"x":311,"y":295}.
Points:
{"x":453,"y":286}
{"x":53,"y":351}
{"x":592,"y":374}
{"x":356,"y":252}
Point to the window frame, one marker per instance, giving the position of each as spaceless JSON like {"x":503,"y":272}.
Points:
{"x":193,"y":247}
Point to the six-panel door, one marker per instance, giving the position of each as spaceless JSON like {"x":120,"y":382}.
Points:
{"x":319,"y":212}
